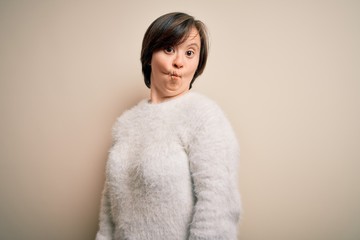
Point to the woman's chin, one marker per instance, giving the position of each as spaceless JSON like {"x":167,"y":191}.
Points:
{"x":173,"y":88}
{"x":176,"y":92}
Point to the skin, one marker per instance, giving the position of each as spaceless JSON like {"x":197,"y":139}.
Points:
{"x":173,"y":68}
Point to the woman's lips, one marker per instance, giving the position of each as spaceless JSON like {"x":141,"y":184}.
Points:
{"x":175,"y":75}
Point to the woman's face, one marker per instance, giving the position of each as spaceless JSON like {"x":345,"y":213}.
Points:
{"x":173,"y":68}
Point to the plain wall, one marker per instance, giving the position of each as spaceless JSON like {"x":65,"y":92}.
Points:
{"x":287,"y":74}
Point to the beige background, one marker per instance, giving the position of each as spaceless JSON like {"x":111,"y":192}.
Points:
{"x":287,"y":73}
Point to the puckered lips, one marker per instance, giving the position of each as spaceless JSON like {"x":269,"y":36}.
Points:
{"x":175,"y":75}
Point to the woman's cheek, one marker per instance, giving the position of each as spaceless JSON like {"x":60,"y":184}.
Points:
{"x":164,"y":65}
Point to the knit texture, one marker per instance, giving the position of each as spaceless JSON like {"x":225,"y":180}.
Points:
{"x":171,"y":173}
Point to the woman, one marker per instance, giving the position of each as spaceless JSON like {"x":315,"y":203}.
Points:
{"x":171,"y":172}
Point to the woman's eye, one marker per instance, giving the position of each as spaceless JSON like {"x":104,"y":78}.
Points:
{"x":190,"y":53}
{"x":169,"y":49}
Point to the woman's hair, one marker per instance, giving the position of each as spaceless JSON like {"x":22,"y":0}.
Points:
{"x":171,"y":30}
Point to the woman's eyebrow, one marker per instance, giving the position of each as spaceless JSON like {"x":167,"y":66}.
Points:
{"x":193,"y":44}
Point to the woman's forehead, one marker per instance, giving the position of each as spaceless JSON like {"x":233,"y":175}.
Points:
{"x":193,"y":37}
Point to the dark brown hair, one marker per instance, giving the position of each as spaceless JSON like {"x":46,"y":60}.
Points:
{"x":170,"y":30}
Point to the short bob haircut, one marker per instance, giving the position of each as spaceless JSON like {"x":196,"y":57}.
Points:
{"x":171,"y":30}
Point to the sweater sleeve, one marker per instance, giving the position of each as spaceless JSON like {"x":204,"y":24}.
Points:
{"x":213,"y":156}
{"x":106,"y":225}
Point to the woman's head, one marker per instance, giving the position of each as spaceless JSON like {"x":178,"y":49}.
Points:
{"x":171,"y":30}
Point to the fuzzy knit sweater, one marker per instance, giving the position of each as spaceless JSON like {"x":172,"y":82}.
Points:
{"x":171,"y":173}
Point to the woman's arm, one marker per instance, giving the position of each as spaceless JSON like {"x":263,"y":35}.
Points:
{"x":106,"y":225}
{"x":213,"y":159}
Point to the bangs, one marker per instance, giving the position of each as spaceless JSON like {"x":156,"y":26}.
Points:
{"x":173,"y":33}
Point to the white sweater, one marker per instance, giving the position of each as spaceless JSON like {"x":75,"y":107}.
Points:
{"x":171,"y":173}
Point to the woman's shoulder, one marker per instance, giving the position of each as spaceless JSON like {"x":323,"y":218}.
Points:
{"x":200,"y":111}
{"x":127,"y":120}
{"x":207,"y":118}
{"x":202,"y":105}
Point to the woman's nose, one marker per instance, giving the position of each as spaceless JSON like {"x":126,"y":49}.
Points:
{"x":178,"y":61}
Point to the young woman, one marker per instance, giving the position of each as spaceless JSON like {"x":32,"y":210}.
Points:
{"x":172,"y":170}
